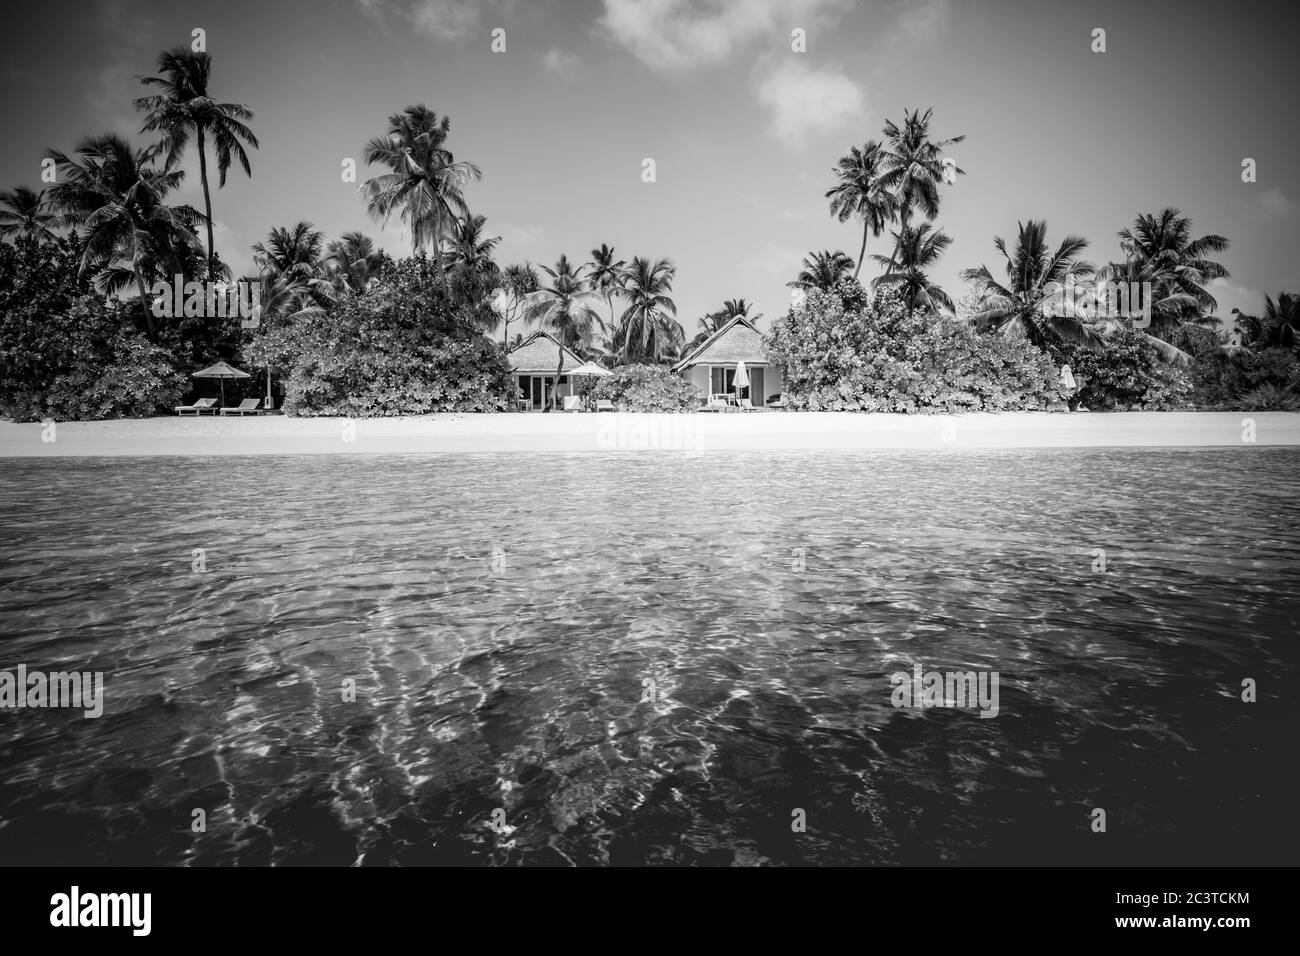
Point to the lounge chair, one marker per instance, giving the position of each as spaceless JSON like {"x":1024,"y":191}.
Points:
{"x":747,"y":406}
{"x":199,"y":407}
{"x":715,"y":404}
{"x":604,"y":405}
{"x":247,"y":407}
{"x":573,"y":403}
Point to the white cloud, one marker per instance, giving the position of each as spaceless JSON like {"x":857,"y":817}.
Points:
{"x":516,"y":234}
{"x":559,"y":62}
{"x":918,"y":20}
{"x":803,"y":99}
{"x":679,"y":35}
{"x":445,"y":19}
{"x":1231,"y":296}
{"x":1275,"y":202}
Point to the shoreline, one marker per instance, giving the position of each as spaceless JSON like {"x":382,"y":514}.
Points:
{"x":635,"y":431}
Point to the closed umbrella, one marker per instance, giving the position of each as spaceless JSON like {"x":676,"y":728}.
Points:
{"x":589,"y":369}
{"x":741,"y":380}
{"x":221,"y":371}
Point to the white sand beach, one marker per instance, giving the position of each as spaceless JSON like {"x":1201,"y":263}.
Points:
{"x":626,"y":432}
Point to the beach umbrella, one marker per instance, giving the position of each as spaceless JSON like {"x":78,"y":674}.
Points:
{"x":589,"y":369}
{"x":1067,"y":378}
{"x":741,"y":380}
{"x":221,"y":371}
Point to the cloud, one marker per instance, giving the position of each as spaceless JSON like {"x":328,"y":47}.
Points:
{"x":125,"y":31}
{"x":805,"y":100}
{"x":446,"y":19}
{"x":918,"y":20}
{"x":516,"y":234}
{"x":559,"y":62}
{"x":679,"y":35}
{"x":1274,"y":202}
{"x":1231,"y":296}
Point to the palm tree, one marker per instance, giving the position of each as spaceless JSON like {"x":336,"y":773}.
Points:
{"x":352,"y":261}
{"x":564,"y":306}
{"x":734,"y":307}
{"x":184,"y":109}
{"x":292,"y":270}
{"x":916,"y":250}
{"x":467,"y":246}
{"x":648,"y":327}
{"x":1279,"y":327}
{"x":1034,"y":277}
{"x":26,"y":212}
{"x":424,"y":181}
{"x":911,"y":165}
{"x":1163,"y":244}
{"x":860,"y":193}
{"x":115,"y":195}
{"x":822,"y":270}
{"x":1170,"y":309}
{"x":517,"y":282}
{"x":607,"y":275}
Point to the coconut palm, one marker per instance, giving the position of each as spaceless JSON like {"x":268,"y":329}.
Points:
{"x":1278,"y":327}
{"x":563,"y":305}
{"x":425,"y":182}
{"x":467,"y":246}
{"x":1163,"y":243}
{"x":515,"y":284}
{"x":860,"y":193}
{"x":911,"y":165}
{"x":1023,"y":305}
{"x":607,"y":275}
{"x":648,"y":328}
{"x":352,"y":261}
{"x":27,"y":213}
{"x":916,"y":250}
{"x":822,"y":270}
{"x":115,"y":196}
{"x":292,"y":270}
{"x":185,"y":109}
{"x":1169,"y":311}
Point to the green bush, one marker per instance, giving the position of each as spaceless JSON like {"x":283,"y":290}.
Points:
{"x":1128,"y":374}
{"x":1222,"y":379}
{"x":644,"y":388}
{"x":846,"y":351}
{"x":66,"y":353}
{"x":403,"y":347}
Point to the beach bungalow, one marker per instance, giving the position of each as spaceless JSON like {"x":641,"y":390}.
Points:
{"x":712,"y":366}
{"x":533,"y":363}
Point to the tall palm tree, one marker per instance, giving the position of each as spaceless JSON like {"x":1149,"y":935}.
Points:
{"x":822,"y":270}
{"x":911,"y":165}
{"x":26,"y":212}
{"x":563,"y":305}
{"x":352,"y":261}
{"x":648,"y":327}
{"x":115,"y":195}
{"x":183,"y":109}
{"x":1034,"y":276}
{"x":861,"y":193}
{"x":1171,"y":310}
{"x":1278,"y":327}
{"x":607,"y":275}
{"x":424,"y":181}
{"x":1163,"y":243}
{"x":292,"y":270}
{"x":916,"y":250}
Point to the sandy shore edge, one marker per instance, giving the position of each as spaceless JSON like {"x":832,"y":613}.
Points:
{"x":628,"y":432}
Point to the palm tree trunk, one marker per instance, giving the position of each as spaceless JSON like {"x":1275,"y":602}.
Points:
{"x":144,"y":303}
{"x":862,"y":253}
{"x":207,"y":198}
{"x":555,"y":389}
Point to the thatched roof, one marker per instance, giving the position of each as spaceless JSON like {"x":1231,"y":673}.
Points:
{"x":737,"y":341}
{"x":540,"y":354}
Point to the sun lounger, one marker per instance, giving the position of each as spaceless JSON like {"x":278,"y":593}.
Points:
{"x":199,"y":407}
{"x":715,"y":404}
{"x":604,"y":405}
{"x":747,"y":406}
{"x":573,"y":403}
{"x":247,"y":407}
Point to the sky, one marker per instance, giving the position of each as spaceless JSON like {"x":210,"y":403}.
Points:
{"x":743,"y":130}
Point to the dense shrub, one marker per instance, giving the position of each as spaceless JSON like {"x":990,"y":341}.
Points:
{"x":66,"y":353}
{"x":1223,"y":379}
{"x":1128,"y":374}
{"x":644,"y":388}
{"x":847,"y":351}
{"x":404,"y":346}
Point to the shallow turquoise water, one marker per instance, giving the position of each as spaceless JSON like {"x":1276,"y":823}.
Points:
{"x":500,"y":617}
